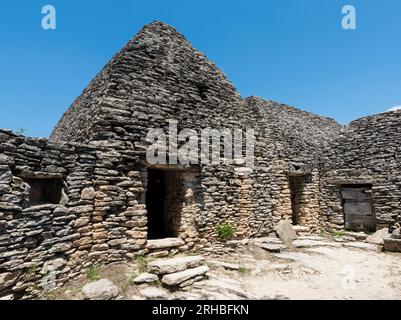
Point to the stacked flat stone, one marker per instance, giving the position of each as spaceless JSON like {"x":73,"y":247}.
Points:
{"x":367,"y":152}
{"x":98,"y":152}
{"x":180,"y":272}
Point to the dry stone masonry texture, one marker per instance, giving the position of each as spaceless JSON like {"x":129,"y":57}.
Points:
{"x":87,"y":195}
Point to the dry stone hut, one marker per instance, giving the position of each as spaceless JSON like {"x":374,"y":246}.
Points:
{"x":360,"y":175}
{"x":89,"y":195}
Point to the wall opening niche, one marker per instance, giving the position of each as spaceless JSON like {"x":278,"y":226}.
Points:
{"x":43,"y":191}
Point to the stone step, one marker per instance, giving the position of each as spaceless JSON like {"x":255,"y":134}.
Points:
{"x":356,"y":235}
{"x":301,"y":229}
{"x":146,"y":278}
{"x":269,"y":240}
{"x":302,"y":234}
{"x":313,"y":237}
{"x":165,"y":266}
{"x":166,"y":243}
{"x":174,"y":279}
{"x":272,"y":247}
{"x":309,"y":243}
{"x":392,"y":244}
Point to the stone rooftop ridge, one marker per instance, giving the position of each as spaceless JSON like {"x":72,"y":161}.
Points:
{"x":269,"y":103}
{"x":294,"y":128}
{"x":158,"y":74}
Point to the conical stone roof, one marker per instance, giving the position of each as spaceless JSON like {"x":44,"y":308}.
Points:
{"x":158,"y":75}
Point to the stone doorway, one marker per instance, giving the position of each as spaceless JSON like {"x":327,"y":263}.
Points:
{"x":164,"y":199}
{"x":298,"y":197}
{"x":357,"y":204}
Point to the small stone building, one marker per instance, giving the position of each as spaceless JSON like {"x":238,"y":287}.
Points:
{"x":360,"y":175}
{"x":88,"y":194}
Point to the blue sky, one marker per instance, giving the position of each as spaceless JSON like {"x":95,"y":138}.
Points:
{"x":292,"y":51}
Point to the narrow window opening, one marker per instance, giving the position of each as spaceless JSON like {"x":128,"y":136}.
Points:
{"x":202,"y":89}
{"x":44,"y":191}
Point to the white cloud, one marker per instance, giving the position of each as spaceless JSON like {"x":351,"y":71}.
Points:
{"x":394,"y":108}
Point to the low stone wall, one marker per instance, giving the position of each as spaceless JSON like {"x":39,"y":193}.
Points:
{"x":99,"y":214}
{"x":49,"y":236}
{"x":38,"y":242}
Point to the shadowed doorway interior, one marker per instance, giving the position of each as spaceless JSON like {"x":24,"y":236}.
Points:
{"x":164,"y":197}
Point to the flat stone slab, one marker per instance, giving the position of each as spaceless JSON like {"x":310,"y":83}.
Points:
{"x":313,"y":237}
{"x":269,"y":240}
{"x":176,"y":278}
{"x":301,"y":229}
{"x":100,"y":290}
{"x":272,"y":247}
{"x":164,"y":243}
{"x":225,"y":265}
{"x":153,"y":293}
{"x":356,"y":235}
{"x":313,"y":243}
{"x":392,"y":245}
{"x":146,"y":278}
{"x":164,"y":266}
{"x":361,"y":246}
{"x":345,"y":239}
{"x":222,"y":286}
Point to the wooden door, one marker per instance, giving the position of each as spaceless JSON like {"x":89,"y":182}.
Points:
{"x":358,"y":213}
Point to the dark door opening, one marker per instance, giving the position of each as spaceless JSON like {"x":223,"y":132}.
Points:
{"x":296,"y":184}
{"x":164,"y":197}
{"x":357,"y":204}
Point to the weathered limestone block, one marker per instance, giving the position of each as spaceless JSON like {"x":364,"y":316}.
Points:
{"x":81,"y":222}
{"x":61,"y":247}
{"x":378,"y":236}
{"x":225,"y":265}
{"x":392,"y":245}
{"x":136,"y":234}
{"x":88,"y":193}
{"x":146,"y":278}
{"x":272,"y":247}
{"x":174,"y":279}
{"x":153,"y":293}
{"x":8,"y":279}
{"x":286,"y":232}
{"x":100,"y":290}
{"x":164,"y":243}
{"x":174,"y":265}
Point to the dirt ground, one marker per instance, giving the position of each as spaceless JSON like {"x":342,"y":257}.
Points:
{"x":321,"y":270}
{"x":328,"y":273}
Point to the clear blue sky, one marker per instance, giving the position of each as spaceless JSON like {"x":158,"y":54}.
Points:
{"x":292,"y":51}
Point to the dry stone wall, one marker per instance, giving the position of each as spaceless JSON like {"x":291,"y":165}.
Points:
{"x":99,"y":216}
{"x":159,"y":76}
{"x":291,"y":144}
{"x":368,"y":152}
{"x":96,"y":157}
